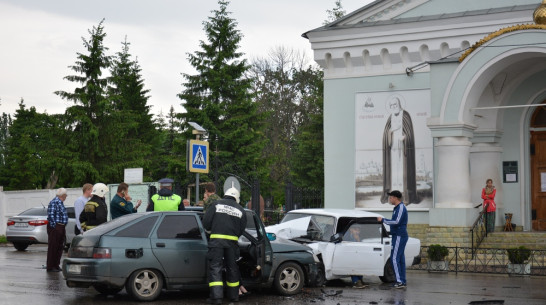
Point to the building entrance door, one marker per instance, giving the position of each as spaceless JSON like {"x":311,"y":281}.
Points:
{"x":538,"y":180}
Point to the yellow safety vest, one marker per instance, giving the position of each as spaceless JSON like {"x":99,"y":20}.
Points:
{"x":162,"y":203}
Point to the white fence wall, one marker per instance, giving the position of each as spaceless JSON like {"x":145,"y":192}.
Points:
{"x":15,"y":202}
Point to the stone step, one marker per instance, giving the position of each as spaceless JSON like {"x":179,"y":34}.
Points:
{"x":531,"y":240}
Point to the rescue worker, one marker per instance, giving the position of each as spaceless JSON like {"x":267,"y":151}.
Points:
{"x":165,"y":200}
{"x":226,"y":221}
{"x":95,"y":211}
{"x":121,"y":203}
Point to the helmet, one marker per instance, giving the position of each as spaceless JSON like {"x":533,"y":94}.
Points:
{"x":233,"y":192}
{"x":100,"y":189}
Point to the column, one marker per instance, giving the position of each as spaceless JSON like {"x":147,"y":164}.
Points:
{"x":453,"y":182}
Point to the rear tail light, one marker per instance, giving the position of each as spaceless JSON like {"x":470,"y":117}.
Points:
{"x":11,"y":223}
{"x":102,"y":253}
{"x":38,"y":222}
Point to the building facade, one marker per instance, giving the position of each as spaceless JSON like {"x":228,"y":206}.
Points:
{"x":433,"y":97}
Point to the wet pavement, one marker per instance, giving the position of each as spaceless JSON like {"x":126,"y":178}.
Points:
{"x":23,"y":282}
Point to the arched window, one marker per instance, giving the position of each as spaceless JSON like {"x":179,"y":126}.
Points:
{"x":539,"y":117}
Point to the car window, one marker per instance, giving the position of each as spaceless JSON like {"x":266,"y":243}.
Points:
{"x":360,"y":231}
{"x":71,"y":213}
{"x":140,"y":228}
{"x":253,"y":226}
{"x":179,"y":226}
{"x":35,"y":212}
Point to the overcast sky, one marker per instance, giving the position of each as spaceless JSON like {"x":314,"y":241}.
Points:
{"x":39,"y":40}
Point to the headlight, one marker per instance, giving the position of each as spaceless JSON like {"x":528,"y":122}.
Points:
{"x":317,"y":260}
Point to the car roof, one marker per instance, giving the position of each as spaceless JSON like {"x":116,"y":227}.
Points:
{"x":336,"y":212}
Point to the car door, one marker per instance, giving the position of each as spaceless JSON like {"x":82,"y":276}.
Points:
{"x":256,"y":246}
{"x":362,"y":255}
{"x":180,"y":245}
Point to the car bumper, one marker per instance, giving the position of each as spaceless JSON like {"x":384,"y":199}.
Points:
{"x":85,"y":273}
{"x":313,"y":274}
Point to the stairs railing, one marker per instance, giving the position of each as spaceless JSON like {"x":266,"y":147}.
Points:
{"x":478,"y":231}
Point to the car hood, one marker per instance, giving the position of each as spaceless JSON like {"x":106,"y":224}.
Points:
{"x":290,"y":229}
{"x":284,"y":245}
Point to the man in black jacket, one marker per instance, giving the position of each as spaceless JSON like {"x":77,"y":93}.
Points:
{"x":95,"y":210}
{"x":226,"y":221}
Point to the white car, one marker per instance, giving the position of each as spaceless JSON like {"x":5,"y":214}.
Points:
{"x":323,"y":230}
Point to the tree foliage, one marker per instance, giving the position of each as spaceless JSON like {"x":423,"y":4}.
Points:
{"x":336,"y":13}
{"x":36,"y":150}
{"x":218,"y":98}
{"x":286,"y":91}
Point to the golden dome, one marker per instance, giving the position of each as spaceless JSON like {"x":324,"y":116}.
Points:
{"x":539,"y":16}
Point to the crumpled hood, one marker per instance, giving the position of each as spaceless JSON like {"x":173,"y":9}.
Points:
{"x":285,"y":245}
{"x":290,"y":229}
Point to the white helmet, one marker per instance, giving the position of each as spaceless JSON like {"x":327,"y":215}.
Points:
{"x":100,"y":189}
{"x":233,"y":192}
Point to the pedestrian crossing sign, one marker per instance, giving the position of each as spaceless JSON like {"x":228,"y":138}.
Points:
{"x":199,"y":156}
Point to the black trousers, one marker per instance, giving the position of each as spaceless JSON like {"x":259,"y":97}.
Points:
{"x":223,"y":254}
{"x":55,"y":242}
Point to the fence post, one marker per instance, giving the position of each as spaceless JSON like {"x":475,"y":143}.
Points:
{"x":288,"y":197}
{"x":256,"y":197}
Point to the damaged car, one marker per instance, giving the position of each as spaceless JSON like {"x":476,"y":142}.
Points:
{"x":327,"y":232}
{"x":146,"y":253}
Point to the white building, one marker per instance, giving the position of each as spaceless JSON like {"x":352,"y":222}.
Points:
{"x":469,"y":74}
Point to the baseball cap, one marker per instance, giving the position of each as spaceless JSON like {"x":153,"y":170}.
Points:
{"x":395,"y":193}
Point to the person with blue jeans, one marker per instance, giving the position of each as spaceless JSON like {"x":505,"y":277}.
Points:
{"x":399,"y":234}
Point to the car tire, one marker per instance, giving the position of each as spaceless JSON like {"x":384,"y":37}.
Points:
{"x":20,"y":246}
{"x":289,"y":279}
{"x":103,"y":289}
{"x":144,"y":284}
{"x":388,"y":273}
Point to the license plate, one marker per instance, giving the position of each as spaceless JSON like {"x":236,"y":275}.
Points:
{"x":75,"y":269}
{"x":21,"y":224}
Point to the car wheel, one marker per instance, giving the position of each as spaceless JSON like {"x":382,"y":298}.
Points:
{"x":103,"y":289}
{"x":388,"y":273}
{"x":20,"y":246}
{"x":144,"y":284}
{"x":289,"y":279}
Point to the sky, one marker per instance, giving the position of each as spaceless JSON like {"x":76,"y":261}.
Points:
{"x":39,"y":40}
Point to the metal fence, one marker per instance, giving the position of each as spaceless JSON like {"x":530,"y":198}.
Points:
{"x":464,"y":259}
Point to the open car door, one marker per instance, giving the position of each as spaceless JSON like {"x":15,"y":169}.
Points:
{"x":256,"y":252}
{"x":361,"y":250}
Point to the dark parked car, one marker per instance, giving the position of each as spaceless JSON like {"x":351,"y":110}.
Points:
{"x":147,"y":252}
{"x":30,"y":227}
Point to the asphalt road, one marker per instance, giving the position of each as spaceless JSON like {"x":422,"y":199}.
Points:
{"x":25,"y":282}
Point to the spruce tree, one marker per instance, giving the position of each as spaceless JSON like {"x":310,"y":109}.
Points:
{"x":130,"y":106}
{"x":218,"y":98}
{"x":91,"y":111}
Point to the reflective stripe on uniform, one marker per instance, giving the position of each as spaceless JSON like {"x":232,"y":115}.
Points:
{"x":232,"y":284}
{"x":216,"y":284}
{"x":222,"y":236}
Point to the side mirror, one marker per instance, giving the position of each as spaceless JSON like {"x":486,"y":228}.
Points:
{"x":271,"y":236}
{"x":336,"y":238}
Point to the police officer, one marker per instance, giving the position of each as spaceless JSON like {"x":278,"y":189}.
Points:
{"x":165,"y":200}
{"x":95,"y":211}
{"x":226,"y":220}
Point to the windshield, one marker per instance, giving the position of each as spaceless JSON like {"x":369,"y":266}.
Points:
{"x":35,"y":212}
{"x":320,"y":227}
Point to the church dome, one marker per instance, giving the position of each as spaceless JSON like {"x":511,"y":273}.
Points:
{"x":539,"y":16}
